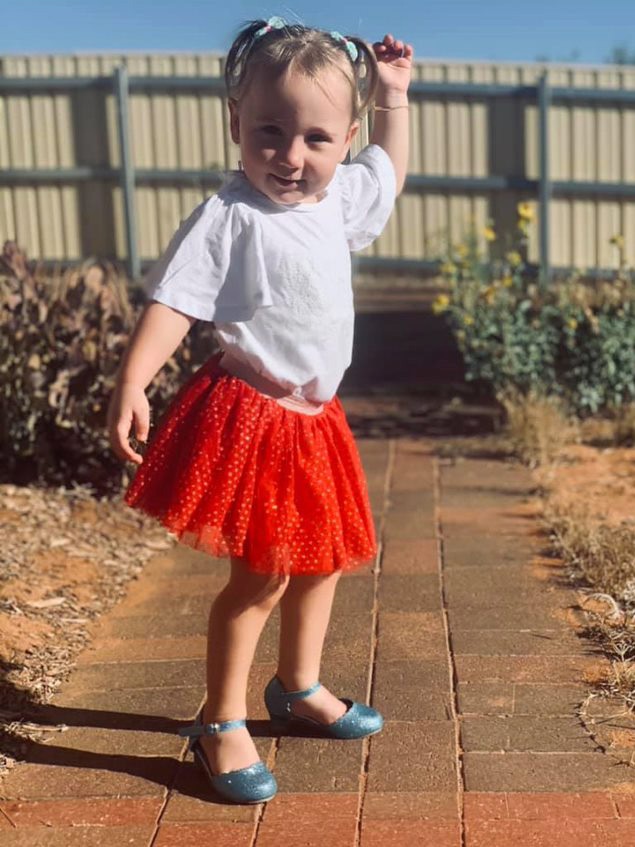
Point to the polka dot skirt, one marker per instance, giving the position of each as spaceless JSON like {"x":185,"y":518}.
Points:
{"x":232,"y":472}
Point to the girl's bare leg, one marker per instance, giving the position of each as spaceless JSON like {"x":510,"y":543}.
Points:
{"x":305,"y":611}
{"x":236,"y":620}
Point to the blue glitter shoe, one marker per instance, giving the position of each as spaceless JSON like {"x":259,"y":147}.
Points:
{"x":357,"y":722}
{"x":253,"y":784}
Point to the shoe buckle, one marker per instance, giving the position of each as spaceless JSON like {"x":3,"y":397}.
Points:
{"x":212,"y":728}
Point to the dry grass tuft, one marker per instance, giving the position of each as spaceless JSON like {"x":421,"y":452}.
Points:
{"x":602,"y":556}
{"x":599,"y":557}
{"x":538,"y":427}
{"x":624,"y":425}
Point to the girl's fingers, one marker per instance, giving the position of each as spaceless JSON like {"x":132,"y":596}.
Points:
{"x":130,"y":455}
{"x":384,"y":44}
{"x":128,"y":411}
{"x":120,"y":443}
{"x":141,"y":426}
{"x":122,"y":447}
{"x":390,"y":46}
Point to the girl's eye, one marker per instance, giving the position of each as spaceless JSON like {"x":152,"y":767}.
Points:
{"x":317,"y":137}
{"x":270,"y":129}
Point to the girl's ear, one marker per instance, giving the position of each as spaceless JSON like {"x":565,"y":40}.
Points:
{"x":234,"y":121}
{"x":350,"y":135}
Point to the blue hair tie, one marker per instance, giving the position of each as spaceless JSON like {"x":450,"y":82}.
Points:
{"x":350,"y":47}
{"x":279,"y":23}
{"x":273,"y":23}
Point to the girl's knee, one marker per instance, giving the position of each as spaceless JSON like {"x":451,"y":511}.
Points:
{"x":256,"y":589}
{"x":307,"y":582}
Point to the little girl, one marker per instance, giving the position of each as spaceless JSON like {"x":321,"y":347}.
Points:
{"x":254,"y":459}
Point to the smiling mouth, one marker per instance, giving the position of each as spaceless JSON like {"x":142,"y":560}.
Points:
{"x":286,"y":182}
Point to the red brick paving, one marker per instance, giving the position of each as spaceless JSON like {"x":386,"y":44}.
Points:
{"x":547,"y":833}
{"x":462,"y":642}
{"x":91,"y":811}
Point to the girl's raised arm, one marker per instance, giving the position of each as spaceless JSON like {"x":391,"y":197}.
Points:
{"x":390,"y":121}
{"x":158,"y":333}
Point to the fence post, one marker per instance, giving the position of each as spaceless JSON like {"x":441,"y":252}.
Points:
{"x":544,"y":196}
{"x":127,"y":170}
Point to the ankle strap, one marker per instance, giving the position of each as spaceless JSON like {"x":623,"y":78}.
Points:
{"x":300,"y":695}
{"x":197,"y":729}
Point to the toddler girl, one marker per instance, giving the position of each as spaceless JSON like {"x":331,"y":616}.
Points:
{"x":254,"y":459}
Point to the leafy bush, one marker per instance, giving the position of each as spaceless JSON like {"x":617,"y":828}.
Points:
{"x":571,"y":338}
{"x":61,"y":340}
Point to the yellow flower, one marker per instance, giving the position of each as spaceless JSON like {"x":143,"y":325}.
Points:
{"x":572,"y":323}
{"x":468,"y":320}
{"x":489,"y":233}
{"x":617,"y":240}
{"x":462,"y":250}
{"x":489,"y":293}
{"x":525,"y":211}
{"x":440,"y":304}
{"x":448,"y":268}
{"x":507,"y":280}
{"x":514,"y":258}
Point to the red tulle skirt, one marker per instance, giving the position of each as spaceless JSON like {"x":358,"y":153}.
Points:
{"x":232,"y":472}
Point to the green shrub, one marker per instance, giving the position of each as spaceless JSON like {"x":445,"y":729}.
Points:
{"x":572,"y":338}
{"x":61,"y":340}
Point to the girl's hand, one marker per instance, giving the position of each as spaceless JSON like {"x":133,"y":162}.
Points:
{"x":128,"y":405}
{"x":395,"y":64}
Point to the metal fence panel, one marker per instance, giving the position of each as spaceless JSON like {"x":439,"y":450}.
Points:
{"x":467,"y":135}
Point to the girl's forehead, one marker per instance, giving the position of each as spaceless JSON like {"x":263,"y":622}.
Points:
{"x":330,"y":89}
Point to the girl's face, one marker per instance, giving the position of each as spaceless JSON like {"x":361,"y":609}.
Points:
{"x":293,"y":132}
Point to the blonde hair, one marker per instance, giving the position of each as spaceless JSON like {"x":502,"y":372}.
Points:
{"x":310,"y":51}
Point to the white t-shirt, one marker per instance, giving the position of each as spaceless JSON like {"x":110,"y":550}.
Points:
{"x":276,"y":279}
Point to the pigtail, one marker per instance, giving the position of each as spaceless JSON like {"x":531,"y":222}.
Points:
{"x":366,"y":73}
{"x":238,"y":52}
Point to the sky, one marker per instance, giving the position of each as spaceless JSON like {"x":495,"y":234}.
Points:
{"x":583,"y":31}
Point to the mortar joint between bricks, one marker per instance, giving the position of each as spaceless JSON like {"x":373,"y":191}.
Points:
{"x":452,"y":670}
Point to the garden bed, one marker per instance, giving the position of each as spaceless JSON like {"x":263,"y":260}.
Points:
{"x":67,"y":558}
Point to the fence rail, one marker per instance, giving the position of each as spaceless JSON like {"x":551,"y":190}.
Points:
{"x":406,"y":250}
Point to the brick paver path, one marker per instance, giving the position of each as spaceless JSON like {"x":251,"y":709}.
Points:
{"x":460,"y":636}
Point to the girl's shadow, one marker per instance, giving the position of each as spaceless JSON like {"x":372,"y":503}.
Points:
{"x":164,"y":770}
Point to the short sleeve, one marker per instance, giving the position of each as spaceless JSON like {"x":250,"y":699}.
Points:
{"x":213,"y":268}
{"x":368,"y":189}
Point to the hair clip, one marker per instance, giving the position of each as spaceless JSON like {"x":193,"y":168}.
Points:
{"x":273,"y":23}
{"x":350,"y":47}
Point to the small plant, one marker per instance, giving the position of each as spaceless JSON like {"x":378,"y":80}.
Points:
{"x":61,"y":341}
{"x":603,"y":556}
{"x":570,"y":339}
{"x":538,"y":427}
{"x":624,"y":425}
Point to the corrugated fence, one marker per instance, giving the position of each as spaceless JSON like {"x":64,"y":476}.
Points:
{"x":475,"y":153}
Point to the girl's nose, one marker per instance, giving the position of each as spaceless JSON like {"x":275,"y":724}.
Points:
{"x":292,"y":153}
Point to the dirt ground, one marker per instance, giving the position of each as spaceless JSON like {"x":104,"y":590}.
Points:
{"x":603,"y":479}
{"x":600,"y":478}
